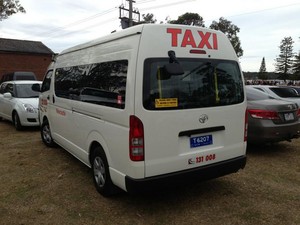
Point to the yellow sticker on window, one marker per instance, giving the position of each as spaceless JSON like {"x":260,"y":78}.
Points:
{"x":166,"y":102}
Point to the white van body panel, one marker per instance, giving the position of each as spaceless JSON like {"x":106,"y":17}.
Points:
{"x":77,"y":125}
{"x":165,"y":151}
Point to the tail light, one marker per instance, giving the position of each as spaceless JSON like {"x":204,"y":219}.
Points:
{"x":298,"y":113}
{"x":136,"y":139}
{"x":246,"y":127}
{"x":263,"y":114}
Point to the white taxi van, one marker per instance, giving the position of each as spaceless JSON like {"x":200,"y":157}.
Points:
{"x":148,"y":106}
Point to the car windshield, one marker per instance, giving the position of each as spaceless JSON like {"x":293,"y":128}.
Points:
{"x":203,"y":83}
{"x":25,"y":91}
{"x":285,"y":92}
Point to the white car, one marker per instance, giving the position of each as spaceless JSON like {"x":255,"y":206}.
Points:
{"x":19,"y":103}
{"x":286,"y":93}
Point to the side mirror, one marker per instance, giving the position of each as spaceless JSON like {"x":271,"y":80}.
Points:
{"x":36,"y":87}
{"x":7,"y":95}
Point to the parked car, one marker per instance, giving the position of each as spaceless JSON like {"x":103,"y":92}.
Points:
{"x":287,"y":93}
{"x":271,"y":120}
{"x":20,"y":75}
{"x":19,"y":103}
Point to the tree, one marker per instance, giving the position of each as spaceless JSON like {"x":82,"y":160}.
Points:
{"x":284,"y":62}
{"x":189,"y":19}
{"x":231,"y":31}
{"x":149,"y":18}
{"x":10,"y":7}
{"x":296,"y":67}
{"x":262,"y":74}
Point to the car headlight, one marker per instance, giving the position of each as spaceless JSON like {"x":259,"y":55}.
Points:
{"x":29,"y":108}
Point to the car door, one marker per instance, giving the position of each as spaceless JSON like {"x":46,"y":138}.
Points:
{"x":44,"y":97}
{"x":7,"y":103}
{"x":2,"y":88}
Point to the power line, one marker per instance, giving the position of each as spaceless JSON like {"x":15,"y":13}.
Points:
{"x":168,"y":4}
{"x":75,"y":23}
{"x":264,"y":10}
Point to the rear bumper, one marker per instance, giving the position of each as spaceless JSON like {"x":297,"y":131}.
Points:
{"x":187,"y":176}
{"x":273,"y":134}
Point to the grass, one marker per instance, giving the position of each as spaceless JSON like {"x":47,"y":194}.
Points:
{"x":48,"y":186}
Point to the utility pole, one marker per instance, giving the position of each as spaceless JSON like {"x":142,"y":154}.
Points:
{"x":130,"y":13}
{"x":129,"y":16}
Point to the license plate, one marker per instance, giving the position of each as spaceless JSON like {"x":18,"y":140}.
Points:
{"x":289,"y":116}
{"x":201,"y":141}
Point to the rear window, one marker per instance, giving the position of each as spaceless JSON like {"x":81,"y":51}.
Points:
{"x":25,"y":77}
{"x":205,"y":83}
{"x":285,"y":92}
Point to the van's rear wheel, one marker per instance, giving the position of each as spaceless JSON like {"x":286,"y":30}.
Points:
{"x":101,"y":174}
{"x":46,"y":134}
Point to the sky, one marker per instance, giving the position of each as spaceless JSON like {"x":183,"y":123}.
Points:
{"x":61,"y":24}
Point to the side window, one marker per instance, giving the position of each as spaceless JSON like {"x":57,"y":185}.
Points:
{"x":47,"y":81}
{"x":9,"y":88}
{"x":99,"y":83}
{"x":2,"y":88}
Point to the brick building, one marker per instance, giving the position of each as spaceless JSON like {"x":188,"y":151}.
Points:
{"x":20,"y":55}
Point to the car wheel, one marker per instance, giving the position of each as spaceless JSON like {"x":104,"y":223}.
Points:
{"x":16,"y":121}
{"x":101,"y":176}
{"x":46,"y":134}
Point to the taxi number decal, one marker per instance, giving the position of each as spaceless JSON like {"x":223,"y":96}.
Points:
{"x":201,"y":159}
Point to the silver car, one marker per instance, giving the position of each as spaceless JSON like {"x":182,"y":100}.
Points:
{"x":287,"y":93}
{"x":19,"y":103}
{"x":271,"y":120}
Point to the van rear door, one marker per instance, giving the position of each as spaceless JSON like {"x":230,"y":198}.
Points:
{"x":191,"y":119}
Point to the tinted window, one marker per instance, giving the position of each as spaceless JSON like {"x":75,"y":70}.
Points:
{"x":285,"y":92}
{"x":100,"y":83}
{"x":25,"y":77}
{"x":47,"y":81}
{"x":205,"y":83}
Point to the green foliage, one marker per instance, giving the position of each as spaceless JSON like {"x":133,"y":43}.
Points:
{"x":10,"y":7}
{"x":296,"y":67}
{"x":149,"y":18}
{"x":189,"y":19}
{"x":262,"y":74}
{"x":284,"y":62}
{"x":231,"y":32}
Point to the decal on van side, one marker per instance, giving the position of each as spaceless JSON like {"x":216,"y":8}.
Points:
{"x":61,"y":112}
{"x":207,"y":39}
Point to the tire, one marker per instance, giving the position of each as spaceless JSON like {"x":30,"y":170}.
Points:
{"x":16,"y":121}
{"x":101,"y":175}
{"x":46,"y":134}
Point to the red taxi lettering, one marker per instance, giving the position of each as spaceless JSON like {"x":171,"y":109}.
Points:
{"x":60,"y":112}
{"x":207,"y":39}
{"x":174,"y":32}
{"x":44,"y":102}
{"x":188,"y":39}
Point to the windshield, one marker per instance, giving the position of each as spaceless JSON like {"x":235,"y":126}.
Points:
{"x":204,"y":83}
{"x":25,"y":91}
{"x":285,"y":92}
